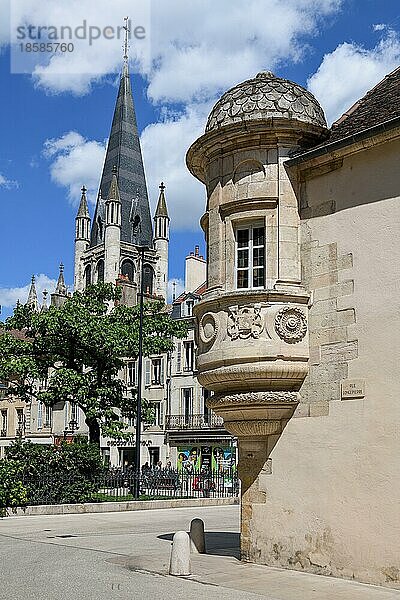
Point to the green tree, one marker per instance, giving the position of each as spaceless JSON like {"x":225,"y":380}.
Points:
{"x":78,"y":351}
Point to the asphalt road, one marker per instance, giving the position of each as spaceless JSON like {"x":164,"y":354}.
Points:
{"x":101,"y":556}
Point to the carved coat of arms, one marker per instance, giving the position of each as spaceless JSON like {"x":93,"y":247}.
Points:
{"x":245,"y":322}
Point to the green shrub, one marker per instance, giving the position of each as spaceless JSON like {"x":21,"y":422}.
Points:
{"x":62,"y":474}
{"x":12,"y":491}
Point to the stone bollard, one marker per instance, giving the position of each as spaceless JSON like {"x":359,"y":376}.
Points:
{"x":180,"y":555}
{"x":197,"y":537}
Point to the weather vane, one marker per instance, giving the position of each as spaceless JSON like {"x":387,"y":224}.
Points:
{"x":126,"y":45}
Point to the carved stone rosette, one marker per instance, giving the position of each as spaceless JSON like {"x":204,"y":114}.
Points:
{"x":291,"y":324}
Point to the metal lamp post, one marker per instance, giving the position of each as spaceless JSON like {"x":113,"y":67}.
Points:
{"x":142,"y":250}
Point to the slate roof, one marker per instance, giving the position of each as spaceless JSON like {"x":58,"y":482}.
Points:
{"x":379,"y":108}
{"x":124,"y":152}
{"x":379,"y":105}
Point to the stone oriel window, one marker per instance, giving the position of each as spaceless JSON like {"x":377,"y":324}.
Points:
{"x":250,"y":256}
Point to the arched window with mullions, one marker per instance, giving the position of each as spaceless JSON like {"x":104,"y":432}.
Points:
{"x":100,"y":271}
{"x":128,"y":269}
{"x":148,"y":279}
{"x":88,"y":276}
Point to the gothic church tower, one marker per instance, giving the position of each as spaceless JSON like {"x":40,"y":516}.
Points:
{"x":110,"y":250}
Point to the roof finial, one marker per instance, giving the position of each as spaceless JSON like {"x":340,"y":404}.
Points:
{"x":126,"y":45}
{"x":61,"y":267}
{"x":32,"y":296}
{"x":114,"y":169}
{"x":162,"y":186}
{"x":83,"y":190}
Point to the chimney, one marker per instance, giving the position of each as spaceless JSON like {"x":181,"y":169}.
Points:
{"x":195,"y":270}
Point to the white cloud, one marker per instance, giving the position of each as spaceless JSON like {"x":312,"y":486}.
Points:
{"x":197,"y":50}
{"x":75,"y":71}
{"x":348,"y":72}
{"x":75,"y":161}
{"x":164,"y":147}
{"x":7,"y":184}
{"x":10,"y":296}
{"x":192,"y":49}
{"x":203,"y":47}
{"x":175,"y":289}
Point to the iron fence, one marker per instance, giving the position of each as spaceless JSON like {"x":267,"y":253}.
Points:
{"x":120,"y":485}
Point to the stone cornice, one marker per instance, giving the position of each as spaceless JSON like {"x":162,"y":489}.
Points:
{"x":248,"y":134}
{"x":214,"y":299}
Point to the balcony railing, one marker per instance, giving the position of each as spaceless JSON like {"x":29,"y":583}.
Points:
{"x":201,"y":421}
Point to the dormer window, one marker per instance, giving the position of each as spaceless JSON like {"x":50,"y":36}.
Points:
{"x":189,"y":308}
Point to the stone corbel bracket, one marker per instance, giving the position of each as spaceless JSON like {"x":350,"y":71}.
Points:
{"x":255,"y":414}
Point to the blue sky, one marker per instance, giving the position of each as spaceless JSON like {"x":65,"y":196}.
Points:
{"x":55,"y":123}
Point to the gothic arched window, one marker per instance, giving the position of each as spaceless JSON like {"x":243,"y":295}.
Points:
{"x":99,"y":230}
{"x":128,"y":269}
{"x":148,"y":278}
{"x":88,"y":275}
{"x":100,"y":271}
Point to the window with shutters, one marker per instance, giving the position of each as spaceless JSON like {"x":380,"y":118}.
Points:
{"x":187,"y":403}
{"x":188,"y":356}
{"x":48,"y":421}
{"x":131,"y":373}
{"x":157,"y":375}
{"x":75,"y":415}
{"x":20,"y":420}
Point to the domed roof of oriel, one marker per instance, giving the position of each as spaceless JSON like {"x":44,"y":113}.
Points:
{"x":263,"y":97}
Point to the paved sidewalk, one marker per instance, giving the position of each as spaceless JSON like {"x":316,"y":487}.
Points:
{"x":121,"y":556}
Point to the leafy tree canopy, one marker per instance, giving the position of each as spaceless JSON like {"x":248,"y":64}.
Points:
{"x":76,"y":351}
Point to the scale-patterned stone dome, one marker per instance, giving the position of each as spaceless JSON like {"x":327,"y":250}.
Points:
{"x":264,"y":97}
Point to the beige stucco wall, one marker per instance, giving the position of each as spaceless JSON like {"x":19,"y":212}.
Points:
{"x":332,"y":500}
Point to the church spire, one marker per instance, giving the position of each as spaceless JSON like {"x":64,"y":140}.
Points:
{"x":83,"y":210}
{"x":61,"y":288}
{"x":60,"y":294}
{"x":125,"y":153}
{"x":44,"y":303}
{"x":161,"y":210}
{"x":32,"y":296}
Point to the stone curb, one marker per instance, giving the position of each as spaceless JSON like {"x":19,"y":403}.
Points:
{"x":103,"y":507}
